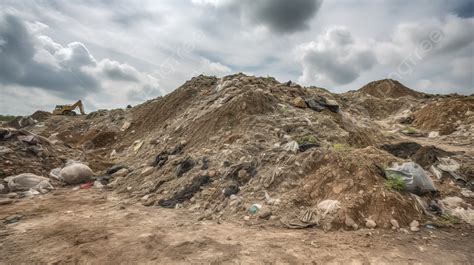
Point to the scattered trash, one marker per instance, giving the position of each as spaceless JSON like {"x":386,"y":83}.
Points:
{"x":271,"y":201}
{"x":320,"y":103}
{"x":114,"y":169}
{"x":467,"y":193}
{"x":184,"y":166}
{"x":187,"y":193}
{"x":305,"y":146}
{"x":74,"y":173}
{"x":291,"y":146}
{"x":254,"y":208}
{"x":137,"y":145}
{"x":230,"y":190}
{"x":433,"y":134}
{"x":98,"y":185}
{"x":160,"y":159}
{"x":456,"y":207}
{"x":27,"y":181}
{"x":87,"y":185}
{"x":415,"y":178}
{"x":308,"y":218}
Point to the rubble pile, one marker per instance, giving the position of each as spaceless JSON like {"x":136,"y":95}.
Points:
{"x":255,"y":149}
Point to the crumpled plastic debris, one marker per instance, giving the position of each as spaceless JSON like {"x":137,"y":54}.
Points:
{"x":415,"y":178}
{"x":73,"y":173}
{"x":27,"y":181}
{"x":456,"y":207}
{"x":270,"y":200}
{"x":291,"y":146}
{"x":328,"y":207}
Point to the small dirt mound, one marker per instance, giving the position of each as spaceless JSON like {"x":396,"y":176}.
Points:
{"x":41,"y":115}
{"x":388,"y":88}
{"x":446,"y":115}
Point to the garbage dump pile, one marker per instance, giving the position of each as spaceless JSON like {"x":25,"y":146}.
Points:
{"x":254,"y":149}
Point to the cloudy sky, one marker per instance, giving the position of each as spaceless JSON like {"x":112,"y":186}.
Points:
{"x":113,"y":53}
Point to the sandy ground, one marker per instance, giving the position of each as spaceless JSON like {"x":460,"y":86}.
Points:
{"x":97,"y":227}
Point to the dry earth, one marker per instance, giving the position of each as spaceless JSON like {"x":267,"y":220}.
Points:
{"x":97,"y":227}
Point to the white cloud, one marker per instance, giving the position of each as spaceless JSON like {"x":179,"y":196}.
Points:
{"x":334,"y":58}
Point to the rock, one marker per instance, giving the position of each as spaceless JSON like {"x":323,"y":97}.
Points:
{"x":12,"y":195}
{"x":2,"y":187}
{"x":230,"y":190}
{"x":147,"y":171}
{"x":145,"y":198}
{"x":265,"y":213}
{"x":125,"y":126}
{"x":148,"y":202}
{"x":5,"y":201}
{"x":403,"y":230}
{"x":433,"y":134}
{"x":370,"y":223}
{"x":414,"y":228}
{"x":120,"y":173}
{"x":246,"y":218}
{"x":111,"y":170}
{"x":12,"y":219}
{"x":299,"y":103}
{"x":349,"y":222}
{"x":211,"y":173}
{"x":394,"y":223}
{"x":414,"y":223}
{"x":332,"y":105}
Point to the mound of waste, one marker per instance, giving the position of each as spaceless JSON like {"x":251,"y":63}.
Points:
{"x":255,"y":149}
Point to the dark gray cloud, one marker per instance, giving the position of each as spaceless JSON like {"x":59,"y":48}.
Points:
{"x":283,"y":16}
{"x":463,"y":8}
{"x":279,"y":16}
{"x":19,"y":63}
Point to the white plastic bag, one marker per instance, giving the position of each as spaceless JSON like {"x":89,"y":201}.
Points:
{"x":415,"y":178}
{"x":76,"y":173}
{"x":27,"y":181}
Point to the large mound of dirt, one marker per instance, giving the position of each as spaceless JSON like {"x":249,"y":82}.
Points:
{"x":388,"y":88}
{"x":229,"y":147}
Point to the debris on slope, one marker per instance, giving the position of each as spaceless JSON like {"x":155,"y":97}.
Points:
{"x":238,"y":145}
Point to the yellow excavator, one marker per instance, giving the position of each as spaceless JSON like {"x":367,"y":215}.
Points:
{"x":69,"y":109}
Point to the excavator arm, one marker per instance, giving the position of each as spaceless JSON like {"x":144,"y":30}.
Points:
{"x":79,"y":105}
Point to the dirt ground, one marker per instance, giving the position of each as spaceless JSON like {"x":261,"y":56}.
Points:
{"x":99,"y":227}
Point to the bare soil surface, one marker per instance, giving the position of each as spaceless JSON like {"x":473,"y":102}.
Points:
{"x":100,"y":227}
